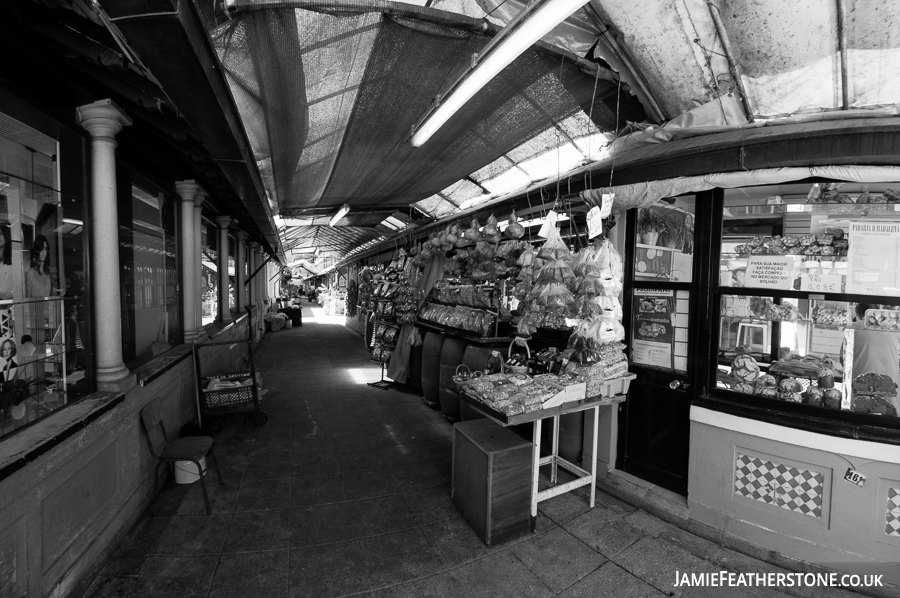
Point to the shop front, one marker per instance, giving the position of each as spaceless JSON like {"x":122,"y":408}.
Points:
{"x":763,"y":329}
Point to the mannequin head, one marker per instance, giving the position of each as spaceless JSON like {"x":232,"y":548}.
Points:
{"x":40,"y":254}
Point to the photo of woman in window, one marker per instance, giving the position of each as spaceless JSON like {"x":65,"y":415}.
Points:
{"x":8,"y":365}
{"x":38,"y":282}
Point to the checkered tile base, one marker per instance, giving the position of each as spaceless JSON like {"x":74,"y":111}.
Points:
{"x":798,"y":490}
{"x":892,"y":515}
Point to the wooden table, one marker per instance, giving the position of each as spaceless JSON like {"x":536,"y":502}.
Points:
{"x":582,"y":476}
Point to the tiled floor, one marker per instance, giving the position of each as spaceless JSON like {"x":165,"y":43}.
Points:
{"x":346,"y":491}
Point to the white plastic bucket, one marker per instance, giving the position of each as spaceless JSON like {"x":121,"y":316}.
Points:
{"x":186,"y":471}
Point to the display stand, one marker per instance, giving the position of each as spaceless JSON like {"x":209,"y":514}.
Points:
{"x":382,"y":384}
{"x":583,"y":476}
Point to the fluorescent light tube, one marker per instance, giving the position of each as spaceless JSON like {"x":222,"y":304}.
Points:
{"x":519,"y":35}
{"x":345,"y":209}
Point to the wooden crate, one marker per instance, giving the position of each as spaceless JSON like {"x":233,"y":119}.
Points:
{"x":491,"y":480}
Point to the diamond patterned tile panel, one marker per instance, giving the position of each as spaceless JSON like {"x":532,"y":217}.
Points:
{"x":892,"y":514}
{"x":798,"y":490}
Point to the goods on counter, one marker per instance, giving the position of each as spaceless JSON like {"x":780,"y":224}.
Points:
{"x":465,"y":318}
{"x":831,"y":243}
{"x":470,"y":295}
{"x":831,"y":399}
{"x":883,"y":319}
{"x":745,"y":368}
{"x":831,"y":317}
{"x":874,"y":384}
{"x":511,"y":394}
{"x":765,"y":309}
{"x":874,"y":404}
{"x":765,"y":381}
{"x":747,"y":388}
{"x":814,"y":396}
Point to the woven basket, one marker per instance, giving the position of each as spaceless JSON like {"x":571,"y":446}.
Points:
{"x":517,"y":369}
{"x":227,"y":397}
{"x":462,"y":374}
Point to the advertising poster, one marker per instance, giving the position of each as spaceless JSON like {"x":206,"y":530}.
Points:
{"x":653,"y":330}
{"x":770,"y":272}
{"x":872,"y":258}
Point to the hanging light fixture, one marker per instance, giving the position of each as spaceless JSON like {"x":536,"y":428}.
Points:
{"x":530,"y":25}
{"x":345,"y":209}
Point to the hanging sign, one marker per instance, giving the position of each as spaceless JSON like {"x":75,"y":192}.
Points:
{"x":770,"y":272}
{"x":872,"y":258}
{"x":594,"y":222}
{"x":606,"y":203}
{"x":549,"y":222}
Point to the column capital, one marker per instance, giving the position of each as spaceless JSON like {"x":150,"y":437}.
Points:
{"x":253,"y":245}
{"x":187,"y":190}
{"x":102,"y":118}
{"x":241,"y":236}
{"x":223,"y":221}
{"x":200,"y":196}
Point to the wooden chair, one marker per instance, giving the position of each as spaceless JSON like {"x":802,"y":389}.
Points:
{"x":191,"y":448}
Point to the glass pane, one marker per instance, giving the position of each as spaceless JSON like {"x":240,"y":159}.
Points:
{"x":819,"y":237}
{"x":209,"y":274}
{"x":665,"y":240}
{"x":659,"y":331}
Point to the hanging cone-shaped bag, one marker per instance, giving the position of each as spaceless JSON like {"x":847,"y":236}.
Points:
{"x":554,"y":248}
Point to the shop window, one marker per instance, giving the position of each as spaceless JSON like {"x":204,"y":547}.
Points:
{"x":151,"y":319}
{"x":44,"y":339}
{"x":209,"y":272}
{"x":808,"y":300}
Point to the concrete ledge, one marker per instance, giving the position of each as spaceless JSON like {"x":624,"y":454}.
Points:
{"x":27,"y":445}
{"x":673,"y":508}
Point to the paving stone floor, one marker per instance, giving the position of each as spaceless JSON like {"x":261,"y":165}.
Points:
{"x":346,"y":492}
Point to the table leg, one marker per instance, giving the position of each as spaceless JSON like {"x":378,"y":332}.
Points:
{"x":594,"y":457}
{"x":535,"y":465}
{"x":555,"y":449}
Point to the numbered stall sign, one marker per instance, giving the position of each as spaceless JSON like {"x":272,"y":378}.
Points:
{"x":855,"y":477}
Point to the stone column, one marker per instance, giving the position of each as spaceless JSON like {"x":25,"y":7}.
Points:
{"x":103,"y":120}
{"x":190,"y":261}
{"x":253,"y":287}
{"x":198,"y":252}
{"x":240,"y":293}
{"x":224,"y":311}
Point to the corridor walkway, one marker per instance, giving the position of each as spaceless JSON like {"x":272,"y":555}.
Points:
{"x":346,"y":491}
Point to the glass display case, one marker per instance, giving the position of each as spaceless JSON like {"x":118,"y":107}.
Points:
{"x":808,"y":298}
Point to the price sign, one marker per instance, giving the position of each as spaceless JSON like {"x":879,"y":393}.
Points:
{"x":594,"y":222}
{"x":820,"y":283}
{"x":549,"y":222}
{"x":606,"y":202}
{"x":855,"y":477}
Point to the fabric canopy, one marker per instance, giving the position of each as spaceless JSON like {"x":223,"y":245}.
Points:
{"x":329,"y":94}
{"x":641,"y":195}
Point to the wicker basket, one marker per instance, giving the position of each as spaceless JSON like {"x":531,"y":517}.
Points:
{"x":517,"y":369}
{"x":227,"y":397}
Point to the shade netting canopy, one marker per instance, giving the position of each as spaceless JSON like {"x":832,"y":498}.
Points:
{"x":329,"y":93}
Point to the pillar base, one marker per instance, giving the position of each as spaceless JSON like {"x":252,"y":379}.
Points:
{"x":226,"y":320}
{"x":112,"y":374}
{"x":191,"y":336}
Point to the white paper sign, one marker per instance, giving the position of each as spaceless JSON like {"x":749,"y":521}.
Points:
{"x":594,"y":222}
{"x":770,"y":272}
{"x":821,"y":283}
{"x":606,"y":204}
{"x":549,"y":221}
{"x":873,"y":257}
